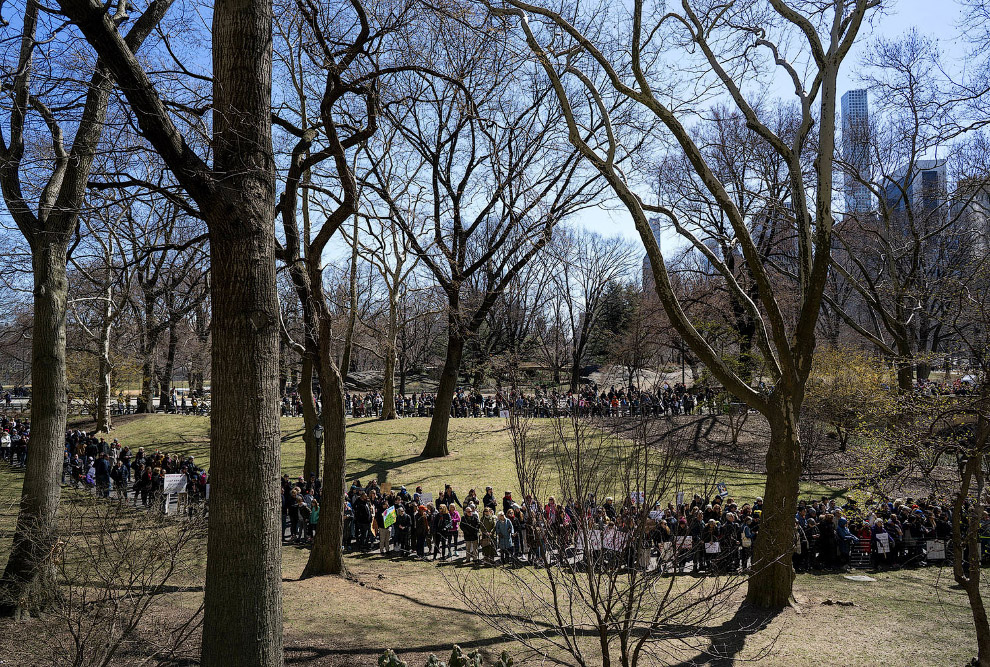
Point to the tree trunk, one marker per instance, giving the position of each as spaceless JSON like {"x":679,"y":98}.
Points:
{"x":575,"y":373}
{"x":29,"y":576}
{"x":146,"y":401}
{"x":969,"y":578}
{"x":345,"y":357}
{"x":165,"y":378}
{"x":327,"y":556}
{"x":773,"y":574}
{"x":905,"y":369}
{"x":242,"y":621}
{"x":283,"y":367}
{"x":243,"y":608}
{"x":311,"y":465}
{"x":103,"y":420}
{"x":388,"y":388}
{"x":436,"y":440}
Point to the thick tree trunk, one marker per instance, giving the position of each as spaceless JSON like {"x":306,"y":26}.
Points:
{"x":28,"y":578}
{"x":575,"y":373}
{"x":243,"y":613}
{"x":969,"y":577}
{"x":436,"y":440}
{"x":773,"y":574}
{"x":103,"y":419}
{"x":242,"y":622}
{"x":311,"y":465}
{"x":327,"y":556}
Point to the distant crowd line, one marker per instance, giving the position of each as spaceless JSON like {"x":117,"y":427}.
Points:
{"x":666,"y":400}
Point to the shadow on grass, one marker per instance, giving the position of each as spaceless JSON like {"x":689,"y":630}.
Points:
{"x":380,"y":469}
{"x":728,"y":639}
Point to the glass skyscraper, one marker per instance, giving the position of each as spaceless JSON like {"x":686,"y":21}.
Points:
{"x":856,"y":150}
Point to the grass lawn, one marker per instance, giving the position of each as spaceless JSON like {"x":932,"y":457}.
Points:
{"x":903,"y":618}
{"x":480,"y":453}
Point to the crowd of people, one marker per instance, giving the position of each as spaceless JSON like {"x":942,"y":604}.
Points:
{"x":136,"y":476}
{"x":703,"y":535}
{"x":706,"y":535}
{"x":667,"y":400}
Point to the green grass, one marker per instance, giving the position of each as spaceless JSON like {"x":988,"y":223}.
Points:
{"x":481,"y":454}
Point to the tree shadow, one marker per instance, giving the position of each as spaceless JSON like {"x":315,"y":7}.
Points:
{"x":727,"y":640}
{"x":379,"y":469}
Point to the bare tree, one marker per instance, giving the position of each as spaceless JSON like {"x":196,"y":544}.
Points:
{"x":383,"y":245}
{"x":721,"y":50}
{"x":588,"y":263}
{"x":236,"y":197}
{"x":344,"y":58}
{"x":97,"y":307}
{"x":598,"y":595}
{"x":35,"y":146}
{"x":171,"y":279}
{"x":499,"y":182}
{"x":900,"y":257}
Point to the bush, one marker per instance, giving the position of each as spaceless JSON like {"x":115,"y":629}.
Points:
{"x":457,"y":659}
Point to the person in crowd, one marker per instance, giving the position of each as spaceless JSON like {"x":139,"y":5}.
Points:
{"x":314,"y":519}
{"x":505,"y":534}
{"x":488,"y":535}
{"x":470,"y":526}
{"x":422,"y":531}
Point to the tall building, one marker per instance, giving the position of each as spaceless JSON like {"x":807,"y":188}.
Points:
{"x":971,"y":210}
{"x":922,"y":184}
{"x":856,"y":150}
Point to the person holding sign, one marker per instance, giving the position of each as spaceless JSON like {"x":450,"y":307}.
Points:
{"x":710,"y":537}
{"x":880,"y":545}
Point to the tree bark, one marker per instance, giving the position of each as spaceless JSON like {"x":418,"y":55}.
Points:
{"x":345,"y":357}
{"x":243,"y":612}
{"x":327,"y":556}
{"x":311,"y":466}
{"x":969,"y":578}
{"x":436,"y":440}
{"x":103,"y":419}
{"x":29,"y":575}
{"x":575,"y":373}
{"x":773,"y":574}
{"x":165,"y":378}
{"x":388,"y":386}
{"x":242,"y":622}
{"x":146,"y":401}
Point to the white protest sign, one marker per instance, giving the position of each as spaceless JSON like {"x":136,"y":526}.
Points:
{"x":936,"y":549}
{"x":175,"y":484}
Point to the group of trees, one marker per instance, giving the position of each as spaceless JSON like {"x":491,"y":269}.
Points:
{"x":185,"y":205}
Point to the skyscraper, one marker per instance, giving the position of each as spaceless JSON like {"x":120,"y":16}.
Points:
{"x":856,"y":150}
{"x":922,"y":185}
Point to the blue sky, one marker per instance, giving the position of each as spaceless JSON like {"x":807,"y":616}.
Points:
{"x":936,"y":18}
